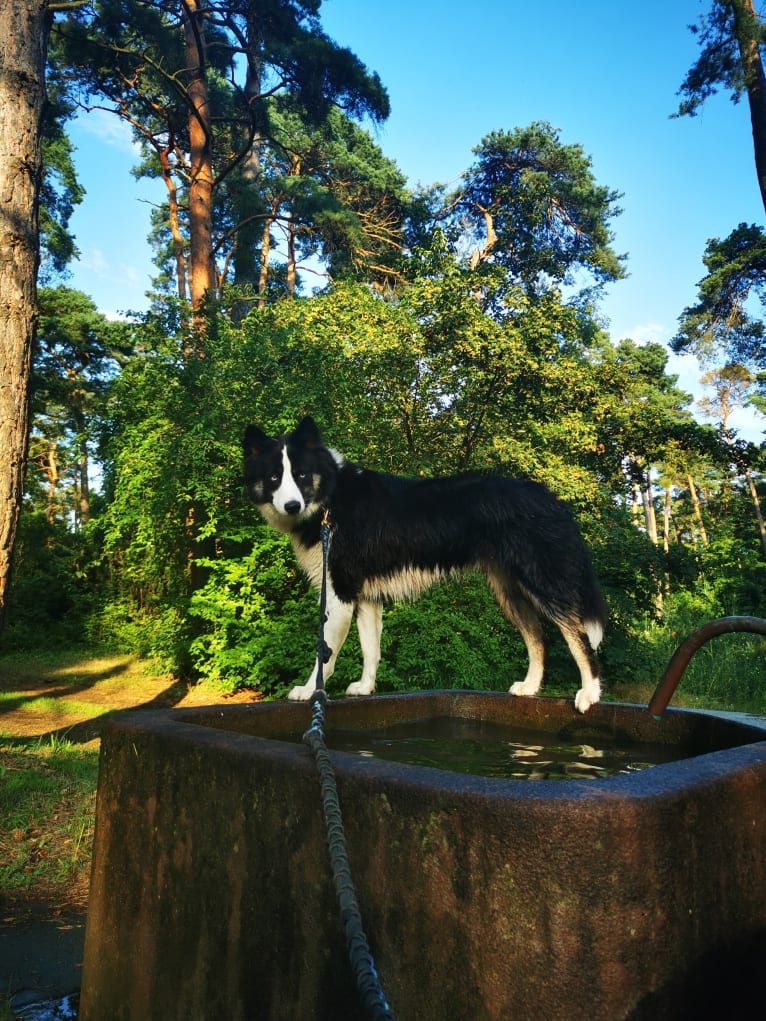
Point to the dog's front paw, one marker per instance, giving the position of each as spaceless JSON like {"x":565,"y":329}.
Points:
{"x":585,"y":699}
{"x":526,"y":688}
{"x":301,"y":693}
{"x":360,"y":688}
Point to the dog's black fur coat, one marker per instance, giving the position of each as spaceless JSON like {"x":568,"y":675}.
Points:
{"x":393,"y":536}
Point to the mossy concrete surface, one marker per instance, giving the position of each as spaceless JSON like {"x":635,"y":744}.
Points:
{"x":640,"y":896}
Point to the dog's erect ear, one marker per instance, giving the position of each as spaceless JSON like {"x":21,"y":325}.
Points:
{"x":306,"y":433}
{"x":254,"y":441}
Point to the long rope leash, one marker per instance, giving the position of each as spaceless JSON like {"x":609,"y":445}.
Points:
{"x":362,"y":964}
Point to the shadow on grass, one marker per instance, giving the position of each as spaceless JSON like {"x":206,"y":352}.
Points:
{"x":68,"y":695}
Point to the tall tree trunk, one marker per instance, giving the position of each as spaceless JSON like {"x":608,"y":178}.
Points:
{"x":50,"y":465}
{"x":757,"y":505}
{"x":696,"y":508}
{"x":263,"y":277}
{"x":746,"y":29}
{"x":201,"y":273}
{"x":649,"y":516}
{"x":292,"y":276}
{"x":247,"y":264}
{"x":24,"y":29}
{"x":635,"y":505}
{"x":292,"y":269}
{"x":666,"y":520}
{"x":83,"y":464}
{"x":179,"y":253}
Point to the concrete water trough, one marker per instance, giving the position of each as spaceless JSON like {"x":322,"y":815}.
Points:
{"x":630,"y":896}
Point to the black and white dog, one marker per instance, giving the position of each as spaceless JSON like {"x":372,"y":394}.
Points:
{"x":393,"y":537}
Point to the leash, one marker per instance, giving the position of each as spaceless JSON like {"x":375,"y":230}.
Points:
{"x":362,"y":964}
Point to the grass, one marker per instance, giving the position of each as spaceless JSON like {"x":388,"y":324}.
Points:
{"x":727,"y":673}
{"x":47,"y":777}
{"x":47,"y":806}
{"x":50,"y":706}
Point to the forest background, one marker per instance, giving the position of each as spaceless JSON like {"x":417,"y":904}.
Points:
{"x":428,"y":329}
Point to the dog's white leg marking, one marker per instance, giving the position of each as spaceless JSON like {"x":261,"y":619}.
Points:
{"x":336,"y":627}
{"x":590,"y":691}
{"x":534,"y":679}
{"x":369,"y":623}
{"x":524,"y":618}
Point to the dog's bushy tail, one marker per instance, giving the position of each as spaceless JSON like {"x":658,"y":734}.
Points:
{"x":593,"y":610}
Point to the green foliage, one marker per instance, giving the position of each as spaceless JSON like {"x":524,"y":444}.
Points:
{"x":256,"y":616}
{"x":722,"y":33}
{"x":534,"y":208}
{"x":723,"y":320}
{"x":728,"y":672}
{"x":452,"y":637}
{"x":187,"y":573}
{"x":51,"y":595}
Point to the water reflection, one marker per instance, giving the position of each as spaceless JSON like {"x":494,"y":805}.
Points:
{"x":499,"y":750}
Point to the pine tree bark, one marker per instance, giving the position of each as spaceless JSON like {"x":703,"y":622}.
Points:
{"x":24,"y":30}
{"x":746,"y":27}
{"x":649,"y":515}
{"x":179,"y":253}
{"x":696,"y":509}
{"x":757,"y":507}
{"x":201,"y":274}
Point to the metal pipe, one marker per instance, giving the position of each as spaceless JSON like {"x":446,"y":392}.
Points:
{"x":687,"y":648}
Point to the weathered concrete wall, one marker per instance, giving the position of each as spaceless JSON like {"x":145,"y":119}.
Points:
{"x":636,"y":897}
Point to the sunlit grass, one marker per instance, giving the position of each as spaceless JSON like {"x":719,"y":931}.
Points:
{"x":48,"y":784}
{"x":49,"y":704}
{"x":47,"y":805}
{"x":728,"y":673}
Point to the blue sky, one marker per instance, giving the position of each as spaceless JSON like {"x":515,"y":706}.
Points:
{"x":605,"y":74}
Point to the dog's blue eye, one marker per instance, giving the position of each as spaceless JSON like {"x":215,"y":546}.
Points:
{"x":303,"y":475}
{"x":274,"y":478}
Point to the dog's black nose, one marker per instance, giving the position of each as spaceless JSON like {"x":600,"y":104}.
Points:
{"x":292,"y":507}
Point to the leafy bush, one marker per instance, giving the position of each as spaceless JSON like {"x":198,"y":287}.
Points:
{"x":256,"y":618}
{"x":50,"y":596}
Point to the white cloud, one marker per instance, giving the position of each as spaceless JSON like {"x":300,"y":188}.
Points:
{"x":109,"y":129}
{"x":94,"y":261}
{"x":650,"y":333}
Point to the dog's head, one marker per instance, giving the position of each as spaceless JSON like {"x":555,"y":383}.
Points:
{"x":291,"y":477}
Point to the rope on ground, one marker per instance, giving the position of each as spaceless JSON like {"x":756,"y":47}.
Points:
{"x":362,"y":964}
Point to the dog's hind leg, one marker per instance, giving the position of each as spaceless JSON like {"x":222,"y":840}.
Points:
{"x":579,"y":639}
{"x":338,"y":621}
{"x":369,"y":624}
{"x":526,"y":620}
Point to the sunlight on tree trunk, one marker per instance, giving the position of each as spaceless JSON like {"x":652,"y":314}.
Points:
{"x":263,"y":278}
{"x":202,"y":280}
{"x":757,"y":507}
{"x":697,"y":511}
{"x":50,"y":465}
{"x":24,"y":35}
{"x":745,"y":26}
{"x":649,"y":516}
{"x":179,"y":254}
{"x":731,"y":386}
{"x":666,"y":519}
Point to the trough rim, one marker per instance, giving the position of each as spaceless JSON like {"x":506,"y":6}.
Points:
{"x":666,"y":779}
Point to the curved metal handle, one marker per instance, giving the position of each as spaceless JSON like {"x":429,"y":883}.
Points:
{"x":687,"y":648}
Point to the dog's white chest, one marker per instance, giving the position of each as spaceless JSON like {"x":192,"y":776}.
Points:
{"x":310,"y":559}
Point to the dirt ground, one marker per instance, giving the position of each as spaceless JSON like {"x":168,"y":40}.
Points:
{"x":42,"y":933}
{"x":71,"y":701}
